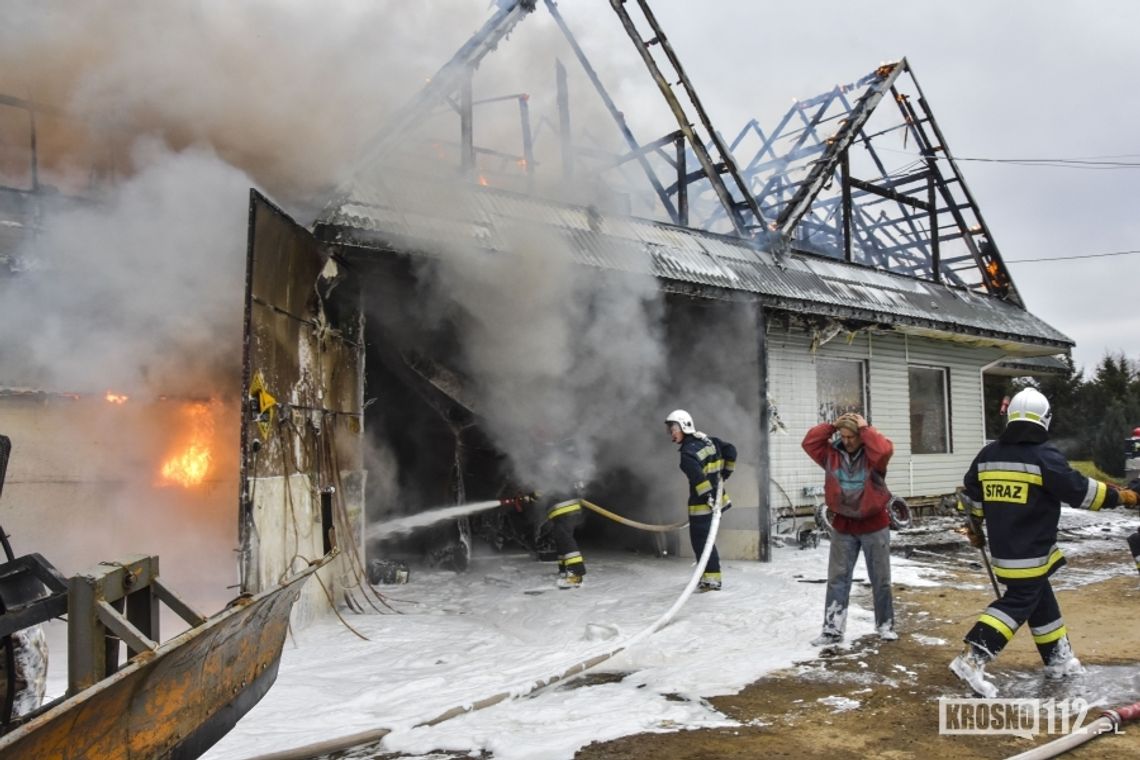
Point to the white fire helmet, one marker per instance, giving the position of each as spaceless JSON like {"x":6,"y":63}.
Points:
{"x":1029,"y":405}
{"x":683,"y":419}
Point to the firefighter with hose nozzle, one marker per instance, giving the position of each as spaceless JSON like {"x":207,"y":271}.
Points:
{"x":1016,"y":485}
{"x":560,"y":505}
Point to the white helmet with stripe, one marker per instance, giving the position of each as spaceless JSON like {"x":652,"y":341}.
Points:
{"x":683,"y":419}
{"x":1029,"y":405}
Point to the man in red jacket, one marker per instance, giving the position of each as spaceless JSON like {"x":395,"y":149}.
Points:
{"x":854,"y":470}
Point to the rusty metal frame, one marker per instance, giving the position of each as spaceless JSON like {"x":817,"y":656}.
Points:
{"x":97,"y":623}
{"x":176,"y":700}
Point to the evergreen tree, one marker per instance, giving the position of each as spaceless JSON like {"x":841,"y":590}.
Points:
{"x":1067,"y":394}
{"x":1108,"y":442}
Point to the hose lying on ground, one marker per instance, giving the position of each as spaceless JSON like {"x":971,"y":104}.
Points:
{"x":374,"y":735}
{"x":1108,"y":722}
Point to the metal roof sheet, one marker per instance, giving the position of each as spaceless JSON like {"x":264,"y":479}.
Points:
{"x":412,"y":214}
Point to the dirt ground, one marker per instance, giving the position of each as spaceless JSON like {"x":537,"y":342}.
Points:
{"x":897,"y":685}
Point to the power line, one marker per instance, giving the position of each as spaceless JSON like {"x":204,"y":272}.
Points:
{"x":1070,"y":258}
{"x":1056,"y":163}
{"x":1101,"y":163}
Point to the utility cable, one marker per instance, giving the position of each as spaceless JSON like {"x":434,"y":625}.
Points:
{"x":1071,"y":258}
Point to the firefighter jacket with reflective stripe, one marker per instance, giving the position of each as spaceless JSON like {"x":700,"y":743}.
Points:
{"x":854,"y":485}
{"x":704,"y":461}
{"x":1018,"y":486}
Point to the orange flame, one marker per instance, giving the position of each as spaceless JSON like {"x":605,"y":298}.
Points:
{"x":482,"y":180}
{"x":189,"y":466}
{"x":116,"y":398}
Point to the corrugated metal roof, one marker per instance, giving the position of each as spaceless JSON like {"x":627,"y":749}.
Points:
{"x":413,"y":214}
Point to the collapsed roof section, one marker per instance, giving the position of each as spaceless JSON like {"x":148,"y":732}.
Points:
{"x":863,"y":173}
{"x":411,"y":214}
{"x":860,"y":174}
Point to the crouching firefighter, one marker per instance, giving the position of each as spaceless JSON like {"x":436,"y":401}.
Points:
{"x":565,"y":515}
{"x":1015,"y":486}
{"x":706,"y":461}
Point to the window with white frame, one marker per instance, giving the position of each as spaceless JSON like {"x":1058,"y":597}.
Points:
{"x":929,"y":410}
{"x":840,"y":387}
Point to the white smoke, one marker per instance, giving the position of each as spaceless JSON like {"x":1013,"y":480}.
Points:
{"x":140,"y":293}
{"x":560,"y":351}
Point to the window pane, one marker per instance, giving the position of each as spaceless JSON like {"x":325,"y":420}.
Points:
{"x":839,"y":388}
{"x":929,"y":423}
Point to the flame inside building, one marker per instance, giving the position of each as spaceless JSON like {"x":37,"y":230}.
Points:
{"x":190,"y":465}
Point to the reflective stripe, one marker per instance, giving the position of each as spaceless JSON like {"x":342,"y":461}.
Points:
{"x":1030,"y":416}
{"x":564,"y":508}
{"x":711,"y":576}
{"x":1094,"y":496}
{"x":716,"y":465}
{"x":1011,"y":475}
{"x":1041,"y":630}
{"x":997,"y":625}
{"x":573,"y":558}
{"x":730,"y":465}
{"x":997,"y":614}
{"x":1009,"y":466}
{"x":703,"y":508}
{"x":966,"y":504}
{"x":706,"y":452}
{"x":1051,"y":636}
{"x":1026,"y":568}
{"x":1024,"y":562}
{"x":703,"y":487}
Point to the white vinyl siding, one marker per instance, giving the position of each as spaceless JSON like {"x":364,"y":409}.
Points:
{"x":792,"y":389}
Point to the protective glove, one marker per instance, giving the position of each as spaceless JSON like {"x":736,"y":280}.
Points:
{"x":1127,"y":497}
{"x":975,"y":535}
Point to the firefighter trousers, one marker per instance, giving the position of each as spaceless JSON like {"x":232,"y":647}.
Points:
{"x":1028,"y":601}
{"x":570,"y":559}
{"x":699,"y":527}
{"x":1134,"y":547}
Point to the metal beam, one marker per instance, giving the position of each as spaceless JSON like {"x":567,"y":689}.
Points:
{"x":823,"y":169}
{"x":725,"y":163}
{"x":615,"y":113}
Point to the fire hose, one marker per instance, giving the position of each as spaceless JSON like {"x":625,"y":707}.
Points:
{"x":375,"y":735}
{"x":518,"y":501}
{"x":632,"y":523}
{"x":1108,"y":721}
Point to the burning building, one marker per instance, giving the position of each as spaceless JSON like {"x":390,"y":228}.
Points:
{"x":454,"y":305}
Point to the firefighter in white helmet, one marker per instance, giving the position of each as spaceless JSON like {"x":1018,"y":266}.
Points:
{"x":706,"y":461}
{"x":1016,"y":485}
